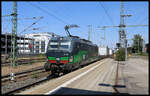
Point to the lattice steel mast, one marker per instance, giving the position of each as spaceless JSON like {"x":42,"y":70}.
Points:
{"x":14,"y":35}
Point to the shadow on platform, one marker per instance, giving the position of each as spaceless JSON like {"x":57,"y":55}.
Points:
{"x":115,"y":87}
{"x":74,"y":91}
{"x":108,"y":85}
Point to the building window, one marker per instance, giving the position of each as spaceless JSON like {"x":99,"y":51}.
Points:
{"x":37,"y":35}
{"x":42,"y":42}
{"x":37,"y":47}
{"x":42,"y":48}
{"x":37,"y":51}
{"x":37,"y":42}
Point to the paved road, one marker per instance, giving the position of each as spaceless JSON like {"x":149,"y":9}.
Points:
{"x":96,"y":78}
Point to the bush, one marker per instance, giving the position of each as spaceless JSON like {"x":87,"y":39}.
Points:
{"x":142,"y":54}
{"x":35,"y":75}
{"x":120,"y":55}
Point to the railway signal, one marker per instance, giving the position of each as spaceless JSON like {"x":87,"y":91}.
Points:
{"x":38,"y":19}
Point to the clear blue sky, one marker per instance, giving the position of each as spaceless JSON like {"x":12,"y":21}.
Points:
{"x":82,"y":14}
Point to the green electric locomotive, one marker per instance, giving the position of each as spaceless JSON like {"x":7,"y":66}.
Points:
{"x":67,"y":53}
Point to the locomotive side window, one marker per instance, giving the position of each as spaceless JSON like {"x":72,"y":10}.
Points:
{"x":75,"y":47}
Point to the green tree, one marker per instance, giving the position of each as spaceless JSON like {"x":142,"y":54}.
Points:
{"x":137,"y":43}
{"x":120,"y":55}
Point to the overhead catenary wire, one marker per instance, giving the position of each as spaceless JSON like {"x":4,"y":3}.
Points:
{"x":136,"y":14}
{"x":57,"y":11}
{"x":6,"y":28}
{"x":106,"y":13}
{"x":47,"y":12}
{"x":137,"y":20}
{"x":50,"y":14}
{"x":135,"y":29}
{"x":31,"y":25}
{"x":9,"y":20}
{"x":143,"y":20}
{"x":32,"y":18}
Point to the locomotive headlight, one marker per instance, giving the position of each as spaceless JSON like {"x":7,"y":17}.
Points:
{"x":57,"y":58}
{"x":71,"y":59}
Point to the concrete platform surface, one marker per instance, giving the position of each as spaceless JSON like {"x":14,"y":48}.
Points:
{"x":136,"y":74}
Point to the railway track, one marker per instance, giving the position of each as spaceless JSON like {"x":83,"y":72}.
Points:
{"x":23,"y":72}
{"x":21,"y":79}
{"x":39,"y":81}
{"x":24,"y":61}
{"x":43,"y":76}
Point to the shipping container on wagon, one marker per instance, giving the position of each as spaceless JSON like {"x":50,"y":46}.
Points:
{"x":110,"y":51}
{"x":103,"y":51}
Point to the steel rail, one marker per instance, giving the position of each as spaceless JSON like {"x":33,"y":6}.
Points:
{"x":23,"y":62}
{"x":29,"y":85}
{"x":23,"y":72}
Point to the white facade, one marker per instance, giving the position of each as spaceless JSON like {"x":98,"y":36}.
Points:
{"x":40,"y":41}
{"x":23,"y":45}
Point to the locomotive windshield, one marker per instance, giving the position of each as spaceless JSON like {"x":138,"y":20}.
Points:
{"x":59,"y":45}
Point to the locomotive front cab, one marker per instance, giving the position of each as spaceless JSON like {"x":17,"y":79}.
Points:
{"x":59,"y":54}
